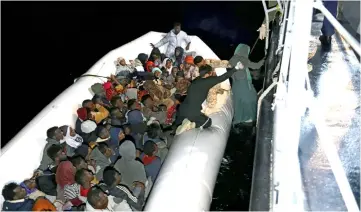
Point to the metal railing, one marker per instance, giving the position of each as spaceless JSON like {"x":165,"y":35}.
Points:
{"x":287,"y":189}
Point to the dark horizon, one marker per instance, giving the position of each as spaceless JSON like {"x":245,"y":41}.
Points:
{"x":52,"y":43}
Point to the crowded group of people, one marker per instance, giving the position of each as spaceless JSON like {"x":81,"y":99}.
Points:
{"x":112,"y":157}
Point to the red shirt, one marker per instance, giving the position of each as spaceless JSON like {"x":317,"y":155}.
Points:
{"x":84,"y":191}
{"x":170,"y":113}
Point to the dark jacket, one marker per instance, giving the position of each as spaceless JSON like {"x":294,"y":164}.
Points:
{"x":122,"y":192}
{"x":18,"y":205}
{"x":46,"y":160}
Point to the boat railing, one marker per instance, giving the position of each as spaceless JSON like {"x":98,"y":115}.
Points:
{"x":287,"y":189}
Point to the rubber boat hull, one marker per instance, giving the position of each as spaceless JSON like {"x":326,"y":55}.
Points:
{"x":189,"y":173}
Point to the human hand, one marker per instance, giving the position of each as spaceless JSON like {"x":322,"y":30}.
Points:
{"x":138,"y":184}
{"x":262,"y":32}
{"x":152,"y":45}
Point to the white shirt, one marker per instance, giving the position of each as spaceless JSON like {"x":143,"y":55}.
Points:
{"x":173,"y":41}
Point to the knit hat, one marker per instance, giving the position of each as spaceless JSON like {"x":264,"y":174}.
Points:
{"x":82,"y":113}
{"x":189,"y":59}
{"x":88,"y":126}
{"x":97,"y":88}
{"x":156,"y":70}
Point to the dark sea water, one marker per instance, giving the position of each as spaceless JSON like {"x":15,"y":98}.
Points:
{"x":51,"y":43}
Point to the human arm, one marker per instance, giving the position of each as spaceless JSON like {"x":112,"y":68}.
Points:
{"x":101,"y":114}
{"x":123,"y":192}
{"x":187,"y":40}
{"x":162,"y":41}
{"x":257,"y":65}
{"x":212,"y":81}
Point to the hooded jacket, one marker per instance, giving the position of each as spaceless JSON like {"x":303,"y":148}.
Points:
{"x":131,"y":169}
{"x":18,"y":205}
{"x":101,"y":162}
{"x":46,"y":160}
{"x":244,"y":94}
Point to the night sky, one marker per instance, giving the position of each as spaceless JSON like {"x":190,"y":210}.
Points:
{"x":45,"y":45}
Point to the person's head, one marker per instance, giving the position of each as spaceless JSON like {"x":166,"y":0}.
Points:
{"x":199,"y":61}
{"x":83,"y":176}
{"x":179,"y":98}
{"x":88,"y":104}
{"x":179,"y":75}
{"x":102,"y":132}
{"x":13,"y":191}
{"x":154,"y":130}
{"x":97,"y":99}
{"x":149,"y":66}
{"x":56,"y":153}
{"x":133,"y":104}
{"x":116,"y":101}
{"x":162,"y":107}
{"x":206,"y":71}
{"x":168,"y":63}
{"x":121,"y":61}
{"x":55,"y":133}
{"x":84,"y":114}
{"x":157,"y":72}
{"x":97,"y":198}
{"x":84,"y":151}
{"x":188,"y":62}
{"x":105,"y":150}
{"x":147,"y":101}
{"x":115,"y":113}
{"x":177,"y":28}
{"x":30,"y":184}
{"x":174,"y":71}
{"x":150,"y":148}
{"x":111,"y":177}
{"x":79,"y":162}
{"x":65,"y":129}
{"x":127,"y":129}
{"x":178,"y":51}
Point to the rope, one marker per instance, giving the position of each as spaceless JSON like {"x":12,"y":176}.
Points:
{"x":254,"y":45}
{"x":90,"y":75}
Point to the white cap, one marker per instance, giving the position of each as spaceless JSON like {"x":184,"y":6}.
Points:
{"x":88,"y":126}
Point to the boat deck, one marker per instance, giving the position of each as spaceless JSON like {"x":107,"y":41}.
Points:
{"x":335,"y":82}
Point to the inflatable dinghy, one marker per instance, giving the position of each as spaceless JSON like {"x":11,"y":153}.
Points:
{"x":189,"y":173}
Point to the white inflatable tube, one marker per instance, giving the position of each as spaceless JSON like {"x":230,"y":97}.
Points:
{"x":191,"y":168}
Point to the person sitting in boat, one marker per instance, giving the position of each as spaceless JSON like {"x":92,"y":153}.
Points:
{"x":117,"y":117}
{"x":174,"y":39}
{"x":178,"y":57}
{"x":181,"y":83}
{"x":149,"y":66}
{"x":116,"y":135}
{"x":56,"y":153}
{"x":54,"y":136}
{"x":138,"y":66}
{"x":112,"y":183}
{"x":88,"y":132}
{"x":167,"y":65}
{"x":134,"y":116}
{"x":151,"y":110}
{"x":72,"y":140}
{"x":43,"y":204}
{"x":101,"y":154}
{"x":151,"y":161}
{"x":98,"y":111}
{"x":122,"y":68}
{"x":190,"y":70}
{"x":31,"y":189}
{"x":155,"y":57}
{"x":244,"y":94}
{"x":143,"y":58}
{"x":79,"y":162}
{"x":170,"y":79}
{"x":97,"y":99}
{"x":154,"y":133}
{"x":131,"y":169}
{"x":78,"y":191}
{"x":99,"y":93}
{"x":15,"y":198}
{"x":118,"y":103}
{"x":102,"y":134}
{"x":197,"y":92}
{"x":98,"y":200}
{"x":155,"y":88}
